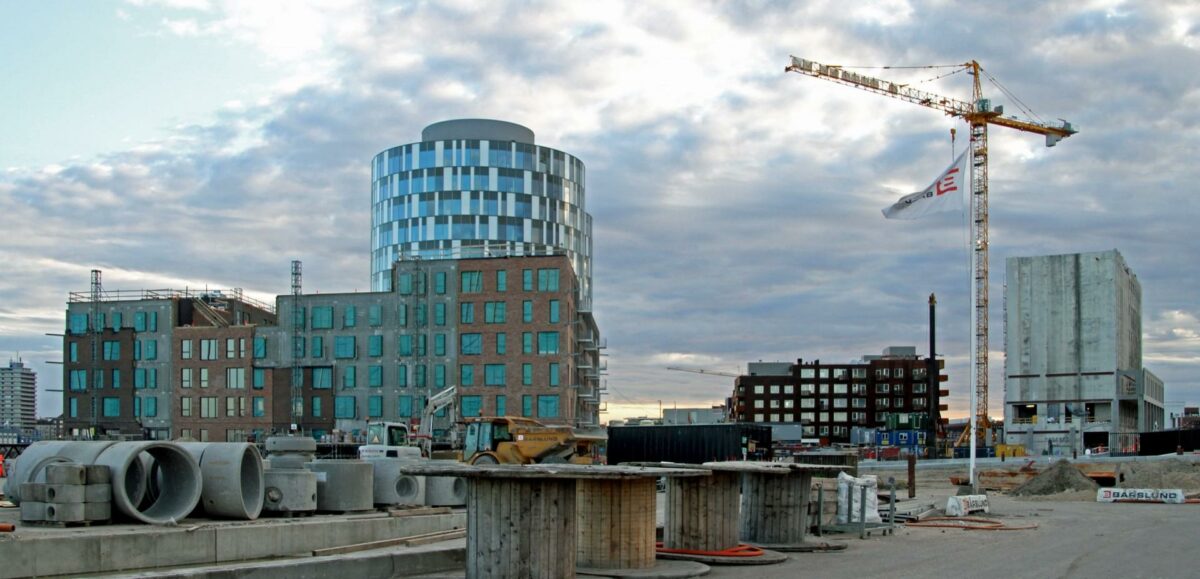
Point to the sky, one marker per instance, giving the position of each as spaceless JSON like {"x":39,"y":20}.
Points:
{"x":206,"y":143}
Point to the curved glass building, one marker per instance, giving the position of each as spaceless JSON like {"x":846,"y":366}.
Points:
{"x":478,"y":188}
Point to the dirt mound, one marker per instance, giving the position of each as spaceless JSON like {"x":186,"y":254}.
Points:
{"x":1060,"y":477}
{"x":1171,"y":473}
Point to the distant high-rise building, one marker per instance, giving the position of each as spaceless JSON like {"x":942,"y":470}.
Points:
{"x":478,"y":188}
{"x":1073,"y":355}
{"x":18,"y":397}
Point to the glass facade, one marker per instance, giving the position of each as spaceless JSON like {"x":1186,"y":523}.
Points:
{"x":475,"y":189}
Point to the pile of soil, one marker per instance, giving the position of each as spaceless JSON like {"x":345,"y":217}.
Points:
{"x":1059,"y":478}
{"x":1160,"y":474}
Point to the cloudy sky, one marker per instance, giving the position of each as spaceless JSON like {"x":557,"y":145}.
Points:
{"x":737,"y":215}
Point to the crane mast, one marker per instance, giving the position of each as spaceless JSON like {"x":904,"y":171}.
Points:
{"x":978,"y":114}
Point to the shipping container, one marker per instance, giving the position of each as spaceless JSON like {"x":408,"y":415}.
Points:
{"x":693,"y":444}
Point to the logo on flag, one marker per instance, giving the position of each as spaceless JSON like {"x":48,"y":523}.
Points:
{"x":938,"y":196}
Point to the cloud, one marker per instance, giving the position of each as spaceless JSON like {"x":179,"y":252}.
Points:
{"x":736,"y":207}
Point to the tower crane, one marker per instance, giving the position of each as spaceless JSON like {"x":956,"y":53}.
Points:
{"x":978,"y":113}
{"x":703,"y":371}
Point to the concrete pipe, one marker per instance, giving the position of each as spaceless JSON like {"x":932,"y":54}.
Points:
{"x":394,"y":488}
{"x":174,"y":478}
{"x":445,"y":491}
{"x":290,"y":491}
{"x":233,"y":478}
{"x":31,"y":465}
{"x":291,"y":451}
{"x":344,"y":485}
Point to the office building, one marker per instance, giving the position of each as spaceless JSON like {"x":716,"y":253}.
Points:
{"x":18,"y":397}
{"x":1073,"y":355}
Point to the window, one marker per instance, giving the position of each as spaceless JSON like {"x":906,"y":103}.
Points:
{"x":374,"y":346}
{"x":808,"y":373}
{"x":439,"y":375}
{"x":527,"y":281}
{"x":493,"y":375}
{"x":899,"y":373}
{"x":298,"y":346}
{"x":374,"y":376}
{"x":919,"y":403}
{"x":527,"y":404}
{"x":112,"y":350}
{"x":840,"y":403}
{"x":470,"y":282}
{"x":344,"y":407}
{"x":230,"y":348}
{"x":527,"y":374}
{"x":231,"y":406}
{"x":185,"y":349}
{"x":345,"y":347}
{"x":185,"y":378}
{"x":298,"y":316}
{"x":404,"y":345}
{"x":77,"y":323}
{"x":439,"y":314}
{"x":322,"y":318}
{"x":349,"y":377}
{"x":404,"y":283}
{"x":919,"y":388}
{"x":470,"y":344}
{"x":554,"y":373}
{"x":553,"y":311}
{"x":881,"y":388}
{"x":439,"y":283}
{"x":185,"y":406}
{"x":316,"y":406}
{"x":466,"y":375}
{"x":208,"y":407}
{"x":881,"y":372}
{"x":526,"y":342}
{"x":404,"y":406}
{"x":139,"y":321}
{"x":208,"y":349}
{"x":466,"y":313}
{"x":501,"y":405}
{"x":78,"y":380}
{"x":374,"y":406}
{"x":840,"y":389}
{"x":808,"y":403}
{"x":322,"y":378}
{"x":419,"y":376}
{"x":471,"y":406}
{"x":882,"y":402}
{"x":548,"y":280}
{"x":402,"y":315}
{"x":547,"y":342}
{"x":527,"y":311}
{"x":259,"y":380}
{"x":493,"y":313}
{"x":318,"y":346}
{"x":421,"y":311}
{"x":349,"y":317}
{"x":858,"y":389}
{"x":501,"y":343}
{"x":547,"y":405}
{"x":501,"y":280}
{"x":859,"y":403}
{"x":235,"y":378}
{"x":402,"y":376}
{"x":898,"y":403}
{"x":204,"y":377}
{"x":859,"y":372}
{"x":73,"y":352}
{"x":375,"y":316}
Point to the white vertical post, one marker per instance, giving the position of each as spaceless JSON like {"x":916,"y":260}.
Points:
{"x":971,"y":423}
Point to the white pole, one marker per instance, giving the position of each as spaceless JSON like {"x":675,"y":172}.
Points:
{"x":974,"y":314}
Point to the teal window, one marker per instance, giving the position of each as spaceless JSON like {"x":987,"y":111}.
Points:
{"x":493,"y":374}
{"x":137,"y":349}
{"x":116,"y":321}
{"x":375,"y":315}
{"x":466,"y":375}
{"x":316,"y":407}
{"x":493,"y":313}
{"x":297,"y":346}
{"x":137,"y":407}
{"x":112,"y":350}
{"x":344,"y":407}
{"x":419,"y":376}
{"x":527,"y":374}
{"x":439,"y":376}
{"x":150,"y":350}
{"x":349,"y":377}
{"x":422,"y":340}
{"x":526,"y":342}
{"x":470,"y":344}
{"x":259,"y":407}
{"x":419,"y":284}
{"x":439,"y":283}
{"x":374,"y":346}
{"x":139,"y":378}
{"x":402,"y":315}
{"x":77,"y":323}
{"x":422,"y":310}
{"x":501,"y":281}
{"x":74,"y":407}
{"x":78,"y":380}
{"x":375,"y":376}
{"x":554,"y":373}
{"x":318,"y":346}
{"x":466,"y":314}
{"x":322,"y":318}
{"x":139,"y":321}
{"x":439,"y":344}
{"x":471,"y":406}
{"x":298,"y":317}
{"x":404,"y":343}
{"x":548,"y":406}
{"x":404,"y":284}
{"x":548,"y":280}
{"x":374,"y":406}
{"x":527,"y":280}
{"x":404,"y":406}
{"x":471,"y":282}
{"x":153,"y":317}
{"x":349,"y":317}
{"x":99,"y":321}
{"x":73,"y":352}
{"x":402,"y":375}
{"x":553,"y":311}
{"x":547,"y":342}
{"x":501,"y":405}
{"x":260,"y":348}
{"x":439,"y":314}
{"x":260,"y":378}
{"x":116,"y":378}
{"x":151,"y":407}
{"x":501,"y":343}
{"x":112,"y":407}
{"x":527,"y":405}
{"x":322,"y":378}
{"x":298,"y":377}
{"x":527,"y":311}
{"x":151,"y":378}
{"x":345,"y":347}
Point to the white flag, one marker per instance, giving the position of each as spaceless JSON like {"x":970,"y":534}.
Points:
{"x":943,"y":194}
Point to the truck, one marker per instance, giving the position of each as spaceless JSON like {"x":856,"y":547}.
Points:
{"x":513,"y":440}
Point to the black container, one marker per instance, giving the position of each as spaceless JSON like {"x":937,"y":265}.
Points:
{"x":693,"y":444}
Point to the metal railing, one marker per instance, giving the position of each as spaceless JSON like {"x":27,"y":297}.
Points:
{"x":234,"y":294}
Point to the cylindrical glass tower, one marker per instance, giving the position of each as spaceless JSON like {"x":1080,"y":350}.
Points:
{"x":478,"y":188}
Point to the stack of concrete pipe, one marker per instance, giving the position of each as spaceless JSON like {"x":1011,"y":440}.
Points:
{"x":344,"y":486}
{"x":291,"y":489}
{"x":152,"y":482}
{"x":72,"y":493}
{"x":233,"y":478}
